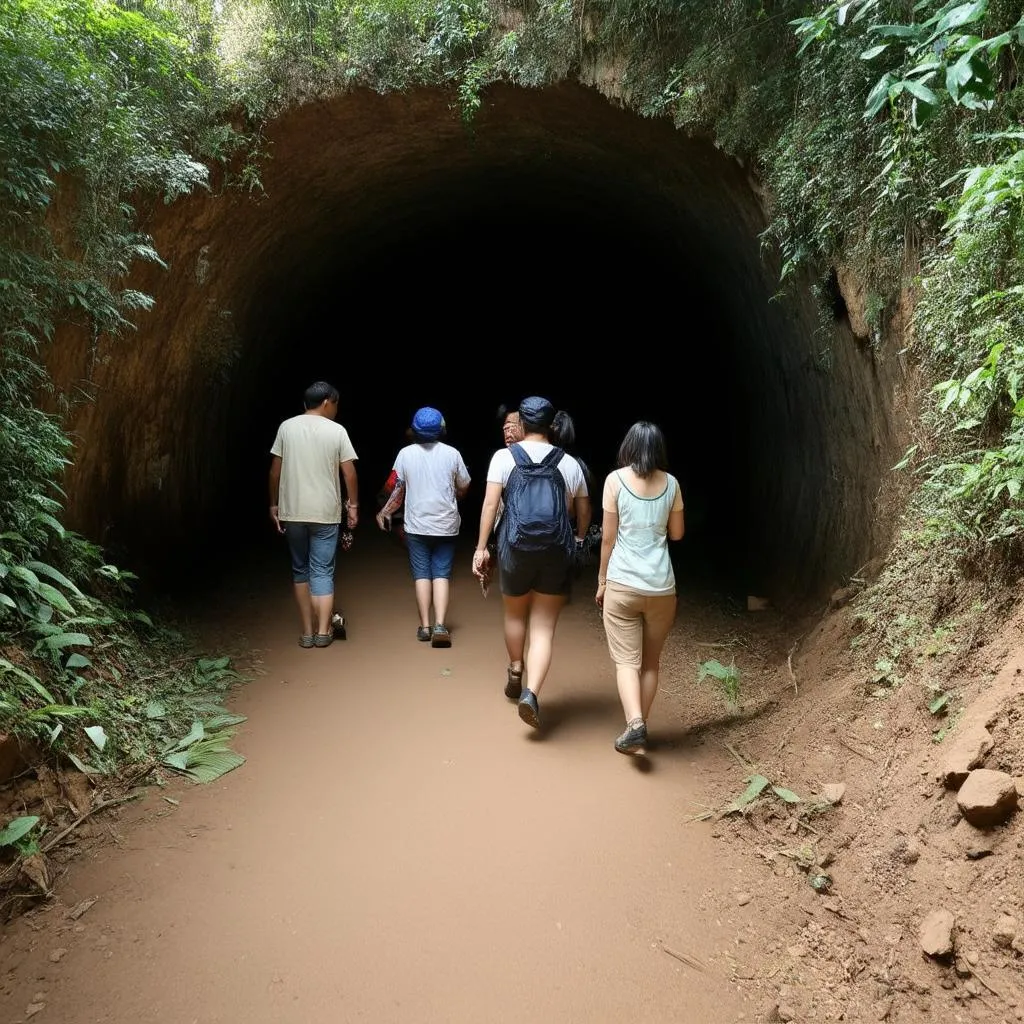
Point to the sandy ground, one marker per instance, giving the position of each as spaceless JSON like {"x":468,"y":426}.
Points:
{"x":401,"y":847}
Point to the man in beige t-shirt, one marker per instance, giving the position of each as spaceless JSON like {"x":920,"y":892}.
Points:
{"x":306,"y":504}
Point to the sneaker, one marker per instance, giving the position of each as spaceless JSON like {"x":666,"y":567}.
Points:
{"x":338,"y":627}
{"x":440,"y":637}
{"x":306,"y":640}
{"x":529,"y":711}
{"x":514,"y":684}
{"x":633,"y":739}
{"x":323,"y":639}
{"x":423,"y":633}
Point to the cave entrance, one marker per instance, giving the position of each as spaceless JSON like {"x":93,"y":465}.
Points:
{"x":559,"y":245}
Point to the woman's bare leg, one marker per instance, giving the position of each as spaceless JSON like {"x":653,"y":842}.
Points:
{"x":517,"y":609}
{"x":544,"y":614}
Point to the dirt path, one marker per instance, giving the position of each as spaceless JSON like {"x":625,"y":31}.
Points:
{"x":400,"y":847}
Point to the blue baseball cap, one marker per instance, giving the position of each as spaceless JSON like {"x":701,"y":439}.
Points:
{"x":428,"y":424}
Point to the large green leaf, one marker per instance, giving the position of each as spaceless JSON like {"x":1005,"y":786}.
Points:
{"x":212,"y":764}
{"x":61,"y":640}
{"x":17,"y":829}
{"x":195,"y":734}
{"x":53,"y":596}
{"x":963,"y":14}
{"x":757,"y":784}
{"x":42,"y":569}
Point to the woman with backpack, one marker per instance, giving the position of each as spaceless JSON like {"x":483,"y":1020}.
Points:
{"x":636,"y":585}
{"x":538,"y":484}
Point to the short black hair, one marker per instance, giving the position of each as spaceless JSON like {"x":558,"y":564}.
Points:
{"x":318,"y":393}
{"x":643,"y":449}
{"x":504,"y":411}
{"x":563,"y":430}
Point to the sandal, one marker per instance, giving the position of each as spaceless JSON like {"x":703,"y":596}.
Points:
{"x":514,"y":684}
{"x":440,"y":637}
{"x":423,"y":633}
{"x":306,"y":640}
{"x":323,"y":639}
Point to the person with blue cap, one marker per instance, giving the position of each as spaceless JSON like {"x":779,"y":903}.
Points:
{"x":539,"y":484}
{"x":430,"y":479}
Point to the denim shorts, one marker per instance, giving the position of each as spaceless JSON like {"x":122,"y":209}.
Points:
{"x":313,"y":547}
{"x":430,"y":558}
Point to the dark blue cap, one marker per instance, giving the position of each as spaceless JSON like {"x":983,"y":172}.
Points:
{"x":537,"y":412}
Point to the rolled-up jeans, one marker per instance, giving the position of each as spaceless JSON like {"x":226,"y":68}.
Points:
{"x":313,"y":547}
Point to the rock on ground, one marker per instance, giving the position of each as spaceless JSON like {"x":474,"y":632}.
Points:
{"x":987,"y":797}
{"x":936,"y":934}
{"x":1005,"y":931}
{"x":967,"y":752}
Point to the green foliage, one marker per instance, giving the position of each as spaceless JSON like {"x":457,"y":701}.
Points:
{"x":727,"y":676}
{"x":952,"y":137}
{"x":102,"y":104}
{"x":17,"y":835}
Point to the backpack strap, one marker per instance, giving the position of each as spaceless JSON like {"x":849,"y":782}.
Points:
{"x":553,"y":457}
{"x":519,"y":455}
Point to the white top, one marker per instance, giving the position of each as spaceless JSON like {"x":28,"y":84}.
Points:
{"x":312,"y":449}
{"x":502,"y":464}
{"x":640,"y":558}
{"x":431,"y":473}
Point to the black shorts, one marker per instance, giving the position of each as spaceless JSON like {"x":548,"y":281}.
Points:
{"x":546,"y":572}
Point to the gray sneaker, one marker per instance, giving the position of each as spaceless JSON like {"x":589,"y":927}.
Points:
{"x":529,"y":710}
{"x":634,"y":739}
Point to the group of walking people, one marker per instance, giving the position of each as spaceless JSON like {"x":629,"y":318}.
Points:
{"x":535,"y":521}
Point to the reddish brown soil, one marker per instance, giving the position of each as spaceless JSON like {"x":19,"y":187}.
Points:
{"x":400,"y":847}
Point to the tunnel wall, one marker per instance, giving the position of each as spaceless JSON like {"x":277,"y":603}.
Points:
{"x":815,"y":409}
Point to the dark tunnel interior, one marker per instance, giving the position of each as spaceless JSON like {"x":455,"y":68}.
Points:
{"x":479,"y":298}
{"x":564,"y":248}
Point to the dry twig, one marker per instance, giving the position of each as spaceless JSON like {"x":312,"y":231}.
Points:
{"x":102,"y":806}
{"x":860,"y":753}
{"x":686,"y":958}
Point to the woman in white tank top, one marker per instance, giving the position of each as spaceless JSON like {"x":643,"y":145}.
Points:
{"x":636,"y":586}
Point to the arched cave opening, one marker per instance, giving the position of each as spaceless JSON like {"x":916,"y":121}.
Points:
{"x":559,"y":245}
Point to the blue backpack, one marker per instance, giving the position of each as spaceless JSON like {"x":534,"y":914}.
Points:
{"x":536,"y":516}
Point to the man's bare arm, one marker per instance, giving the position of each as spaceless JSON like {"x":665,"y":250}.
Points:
{"x":348,"y":473}
{"x":275,"y":490}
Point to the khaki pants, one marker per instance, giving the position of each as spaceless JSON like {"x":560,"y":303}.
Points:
{"x":636,"y":623}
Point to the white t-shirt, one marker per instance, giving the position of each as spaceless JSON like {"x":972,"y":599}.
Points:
{"x":502,"y":464}
{"x":312,"y":449}
{"x":432,"y":473}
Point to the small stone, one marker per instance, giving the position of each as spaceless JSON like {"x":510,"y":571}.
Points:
{"x":33,"y":1008}
{"x":912,"y":853}
{"x":936,"y":934}
{"x":796,"y":951}
{"x":987,"y":797}
{"x":743,"y":898}
{"x":972,"y":957}
{"x":973,"y":987}
{"x":968,"y":751}
{"x":962,"y":967}
{"x":834,"y":792}
{"x":1005,"y":931}
{"x":785,"y":1012}
{"x":57,"y":955}
{"x":981,"y":846}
